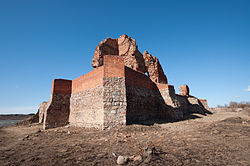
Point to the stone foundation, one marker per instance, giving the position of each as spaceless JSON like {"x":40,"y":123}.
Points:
{"x":86,"y":108}
{"x":142,"y":105}
{"x":115,"y":103}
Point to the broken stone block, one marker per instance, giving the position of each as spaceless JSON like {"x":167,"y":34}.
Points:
{"x":184,"y":90}
{"x":154,"y":69}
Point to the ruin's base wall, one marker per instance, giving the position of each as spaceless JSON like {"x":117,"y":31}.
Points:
{"x":142,"y":105}
{"x":57,"y":112}
{"x":86,"y":108}
{"x":144,"y":101}
{"x":115,"y":103}
{"x":86,"y":102}
{"x":184,"y":104}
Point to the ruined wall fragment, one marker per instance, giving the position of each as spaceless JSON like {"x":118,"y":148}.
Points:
{"x":184,"y":90}
{"x":41,"y":111}
{"x":57,"y":113}
{"x":154,"y":69}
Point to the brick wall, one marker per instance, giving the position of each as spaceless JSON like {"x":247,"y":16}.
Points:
{"x":113,"y":66}
{"x":143,"y":104}
{"x":57,"y":112}
{"x":90,"y":80}
{"x":86,"y":102}
{"x":98,"y":98}
{"x":138,"y":79}
{"x":61,"y":86}
{"x":114,"y":92}
{"x":147,"y":101}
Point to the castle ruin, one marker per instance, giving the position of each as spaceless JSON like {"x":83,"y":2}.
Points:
{"x":125,"y":87}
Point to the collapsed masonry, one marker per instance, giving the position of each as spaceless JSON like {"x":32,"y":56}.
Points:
{"x":118,"y":92}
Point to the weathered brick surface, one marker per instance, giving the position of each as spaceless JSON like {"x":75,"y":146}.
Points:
{"x":89,"y":80}
{"x":114,"y":66}
{"x":62,"y":86}
{"x":138,"y":79}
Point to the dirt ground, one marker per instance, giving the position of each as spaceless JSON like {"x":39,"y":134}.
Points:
{"x":222,"y":138}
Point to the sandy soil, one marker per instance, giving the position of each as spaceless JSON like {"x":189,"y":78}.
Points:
{"x":222,"y":138}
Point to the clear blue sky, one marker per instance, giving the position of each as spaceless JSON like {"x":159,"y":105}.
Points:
{"x":205,"y":44}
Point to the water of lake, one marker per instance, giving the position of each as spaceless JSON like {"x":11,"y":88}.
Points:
{"x":7,"y":122}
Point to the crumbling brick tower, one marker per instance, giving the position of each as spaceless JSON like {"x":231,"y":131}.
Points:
{"x":117,"y":91}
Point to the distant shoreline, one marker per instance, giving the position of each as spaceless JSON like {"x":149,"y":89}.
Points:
{"x":14,"y":116}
